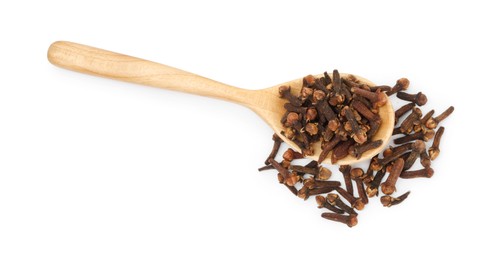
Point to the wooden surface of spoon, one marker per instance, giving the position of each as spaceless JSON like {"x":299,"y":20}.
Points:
{"x":265,"y":102}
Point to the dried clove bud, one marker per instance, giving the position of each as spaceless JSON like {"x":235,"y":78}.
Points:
{"x":378,"y":98}
{"x":426,"y":117}
{"x":433,"y":122}
{"x":311,"y":128}
{"x":381,"y":88}
{"x":328,"y":147}
{"x":422,"y":173}
{"x":372,"y":189}
{"x":417,"y":148}
{"x":345,"y":170}
{"x":276,"y":146}
{"x":284,"y":92}
{"x":427,"y":135}
{"x":355,"y":202}
{"x":378,"y":164}
{"x":311,"y":114}
{"x":323,"y":203}
{"x":408,"y":124}
{"x":336,"y":82}
{"x":434,"y":150}
{"x":304,"y":169}
{"x":402,"y":84}
{"x":292,"y":189}
{"x":324,"y":174}
{"x":350,"y":220}
{"x":292,"y":119}
{"x":312,"y":184}
{"x":334,"y":200}
{"x":341,"y":150}
{"x":304,"y":193}
{"x":365,"y":111}
{"x":358,"y":150}
{"x":389,"y":201}
{"x":388,"y":187}
{"x":359,"y":135}
{"x":287,"y":177}
{"x":285,"y":164}
{"x":290,"y":155}
{"x":321,"y":173}
{"x":420,"y":99}
{"x":403,"y":110}
{"x":425,"y":159}
{"x":357,"y":175}
{"x":368,"y":175}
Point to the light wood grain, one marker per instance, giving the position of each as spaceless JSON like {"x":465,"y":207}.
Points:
{"x":265,"y":102}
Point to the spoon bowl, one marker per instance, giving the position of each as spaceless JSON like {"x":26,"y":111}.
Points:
{"x":265,"y":102}
{"x":273,"y":117}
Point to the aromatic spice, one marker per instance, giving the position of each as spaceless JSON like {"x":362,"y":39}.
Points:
{"x":388,"y":187}
{"x":350,"y":220}
{"x":434,"y":150}
{"x":389,"y":201}
{"x":342,"y":114}
{"x":331,"y":110}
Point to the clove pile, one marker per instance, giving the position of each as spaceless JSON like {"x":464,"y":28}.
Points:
{"x":342,"y":113}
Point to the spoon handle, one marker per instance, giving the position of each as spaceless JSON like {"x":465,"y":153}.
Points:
{"x":94,"y":61}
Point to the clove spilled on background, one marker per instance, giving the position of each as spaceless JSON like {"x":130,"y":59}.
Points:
{"x":342,"y":114}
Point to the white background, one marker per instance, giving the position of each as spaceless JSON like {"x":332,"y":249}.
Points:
{"x":96,"y":169}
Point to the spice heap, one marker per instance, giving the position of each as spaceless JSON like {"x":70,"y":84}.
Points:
{"x":342,"y":113}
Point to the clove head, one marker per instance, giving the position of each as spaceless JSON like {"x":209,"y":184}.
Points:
{"x":332,"y":198}
{"x":360,"y":136}
{"x":381,"y":100}
{"x":309,"y":80}
{"x":375,"y":164}
{"x":352,"y":221}
{"x":311,"y":114}
{"x":431,"y":123}
{"x":421,"y":99}
{"x":428,"y":134}
{"x":290,"y":155}
{"x":303,"y":193}
{"x":292,"y":179}
{"x":283,"y":90}
{"x":387,"y":152}
{"x":285,"y":164}
{"x":291,"y":118}
{"x":418,"y":146}
{"x":309,"y":183}
{"x":371,"y":191}
{"x":356,"y":173}
{"x":388,"y":201}
{"x":403,"y":83}
{"x":433,"y":152}
{"x":318,"y":95}
{"x":388,"y":187}
{"x":312,"y":129}
{"x":289,"y":133}
{"x":321,"y":201}
{"x":359,"y":204}
{"x":324,"y":174}
{"x":306,"y":93}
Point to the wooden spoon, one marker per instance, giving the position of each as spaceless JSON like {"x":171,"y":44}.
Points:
{"x":265,"y":102}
